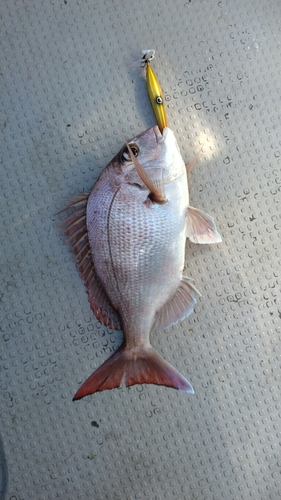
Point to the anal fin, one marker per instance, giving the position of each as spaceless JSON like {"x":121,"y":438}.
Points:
{"x":179,"y":306}
{"x":200,"y":227}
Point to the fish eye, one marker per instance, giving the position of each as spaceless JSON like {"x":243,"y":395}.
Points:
{"x":125,"y":155}
{"x":159,"y":100}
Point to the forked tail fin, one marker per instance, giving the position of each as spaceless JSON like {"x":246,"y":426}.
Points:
{"x":143,"y":367}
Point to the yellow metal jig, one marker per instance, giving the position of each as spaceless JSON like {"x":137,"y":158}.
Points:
{"x":154,"y":90}
{"x":156,"y":97}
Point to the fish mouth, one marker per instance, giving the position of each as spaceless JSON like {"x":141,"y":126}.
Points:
{"x":159,"y":137}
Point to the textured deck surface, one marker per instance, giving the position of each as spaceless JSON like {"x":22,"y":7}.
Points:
{"x":69,"y":99}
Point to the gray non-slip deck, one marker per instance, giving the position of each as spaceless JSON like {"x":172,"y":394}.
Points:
{"x":69,"y":99}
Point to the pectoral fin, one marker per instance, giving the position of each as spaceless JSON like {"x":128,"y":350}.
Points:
{"x":155,"y":185}
{"x":192,"y":162}
{"x":200,"y":227}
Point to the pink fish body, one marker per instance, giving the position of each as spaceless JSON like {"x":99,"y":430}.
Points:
{"x":129,"y":239}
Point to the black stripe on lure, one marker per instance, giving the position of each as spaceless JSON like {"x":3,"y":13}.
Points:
{"x":154,"y":90}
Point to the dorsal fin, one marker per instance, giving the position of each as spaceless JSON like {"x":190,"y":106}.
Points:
{"x":77,"y":235}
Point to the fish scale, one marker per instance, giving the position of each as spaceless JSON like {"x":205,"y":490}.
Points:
{"x":138,"y":258}
{"x":139,"y":271}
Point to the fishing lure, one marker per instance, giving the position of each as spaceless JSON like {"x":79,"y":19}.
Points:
{"x":154,"y":90}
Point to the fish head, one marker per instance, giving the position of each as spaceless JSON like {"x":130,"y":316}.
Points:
{"x":157,"y":153}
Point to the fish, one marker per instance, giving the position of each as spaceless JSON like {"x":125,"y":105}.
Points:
{"x":128,"y":236}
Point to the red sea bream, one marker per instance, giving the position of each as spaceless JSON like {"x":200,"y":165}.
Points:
{"x":128,"y":237}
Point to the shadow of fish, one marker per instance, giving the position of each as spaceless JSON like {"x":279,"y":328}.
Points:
{"x":128,"y":237}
